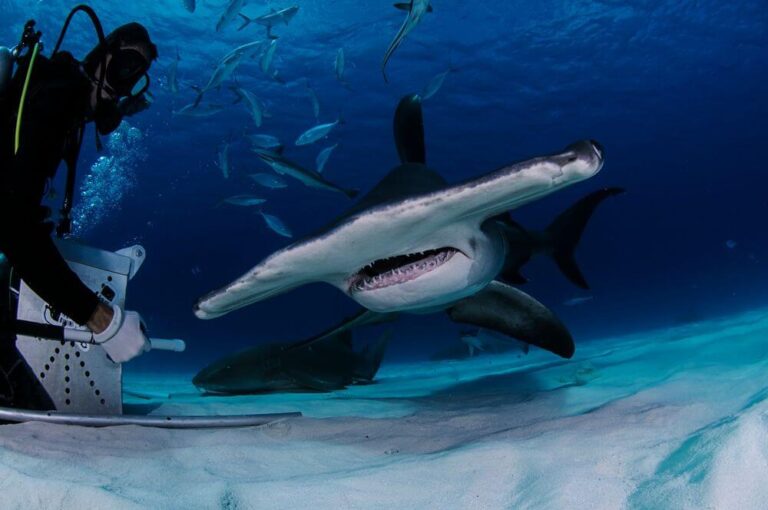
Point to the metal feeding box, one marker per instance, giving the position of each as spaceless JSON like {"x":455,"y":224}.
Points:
{"x":79,"y":376}
{"x":84,"y":384}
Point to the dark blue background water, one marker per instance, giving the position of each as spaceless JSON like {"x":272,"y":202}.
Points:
{"x":675,"y":91}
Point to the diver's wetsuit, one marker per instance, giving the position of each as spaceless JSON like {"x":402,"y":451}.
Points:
{"x":54,"y":114}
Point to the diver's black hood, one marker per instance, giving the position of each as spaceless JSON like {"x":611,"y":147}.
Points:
{"x":130,"y":40}
{"x":132,"y":35}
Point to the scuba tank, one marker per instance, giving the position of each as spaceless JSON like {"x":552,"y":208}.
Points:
{"x":6,"y":68}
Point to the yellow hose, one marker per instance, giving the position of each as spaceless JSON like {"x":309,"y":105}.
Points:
{"x":17,"y":138}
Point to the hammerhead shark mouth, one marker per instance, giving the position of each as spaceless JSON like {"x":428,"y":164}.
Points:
{"x":399,"y":269}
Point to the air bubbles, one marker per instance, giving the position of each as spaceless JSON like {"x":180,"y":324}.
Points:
{"x":110,"y":178}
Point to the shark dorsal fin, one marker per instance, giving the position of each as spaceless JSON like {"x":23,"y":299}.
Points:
{"x":408,"y":128}
{"x":403,"y":181}
{"x":412,"y":177}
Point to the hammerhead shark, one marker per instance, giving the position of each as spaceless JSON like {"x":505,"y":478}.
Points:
{"x":419,"y":245}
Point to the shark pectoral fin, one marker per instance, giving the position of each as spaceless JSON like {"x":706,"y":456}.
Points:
{"x":371,"y":357}
{"x":321,"y":369}
{"x":510,"y":273}
{"x":520,"y":247}
{"x":514,"y":313}
{"x":362,"y":317}
{"x":565,"y":232}
{"x":315,"y":382}
{"x":409,"y":130}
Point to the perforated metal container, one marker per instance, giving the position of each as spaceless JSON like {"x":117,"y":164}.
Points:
{"x":79,"y":377}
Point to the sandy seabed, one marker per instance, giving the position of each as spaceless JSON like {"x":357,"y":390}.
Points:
{"x":675,"y":418}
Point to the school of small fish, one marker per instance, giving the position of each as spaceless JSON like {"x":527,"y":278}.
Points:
{"x":265,"y":54}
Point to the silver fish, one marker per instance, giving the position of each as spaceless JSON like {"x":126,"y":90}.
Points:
{"x":315,"y":133}
{"x":245,"y":200}
{"x":247,"y":50}
{"x":580,"y":300}
{"x":227,"y":66}
{"x":265,"y":142}
{"x":233,"y":8}
{"x":223,"y":159}
{"x":266,"y":59}
{"x":269,"y":181}
{"x":416,"y":10}
{"x":252,"y":104}
{"x":270,"y":19}
{"x":313,"y":97}
{"x":276,"y":224}
{"x":339,"y":65}
{"x":435,"y":84}
{"x":173,"y":80}
{"x":192,"y":110}
{"x":322,"y":158}
{"x":307,"y":177}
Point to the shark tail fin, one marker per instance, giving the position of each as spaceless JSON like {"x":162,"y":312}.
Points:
{"x":246,"y":21}
{"x":566,"y":230}
{"x":371,"y":357}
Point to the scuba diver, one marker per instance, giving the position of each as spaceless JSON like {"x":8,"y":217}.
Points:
{"x":44,"y":108}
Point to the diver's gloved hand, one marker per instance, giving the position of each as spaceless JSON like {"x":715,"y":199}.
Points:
{"x":125,"y":337}
{"x":132,"y":105}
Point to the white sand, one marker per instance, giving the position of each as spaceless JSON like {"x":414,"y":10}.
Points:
{"x":668,"y":419}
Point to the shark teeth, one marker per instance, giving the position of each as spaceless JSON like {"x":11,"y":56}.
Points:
{"x":399,"y":269}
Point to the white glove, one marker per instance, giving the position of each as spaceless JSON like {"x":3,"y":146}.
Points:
{"x":125,"y":337}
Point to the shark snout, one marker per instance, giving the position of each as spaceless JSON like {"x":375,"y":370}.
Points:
{"x":586,"y":150}
{"x":598,"y":149}
{"x":582,"y":159}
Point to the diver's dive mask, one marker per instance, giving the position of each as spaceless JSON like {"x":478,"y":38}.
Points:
{"x":126,"y":74}
{"x":125,"y":79}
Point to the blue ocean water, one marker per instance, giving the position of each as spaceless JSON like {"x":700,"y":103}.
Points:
{"x":674,"y":91}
